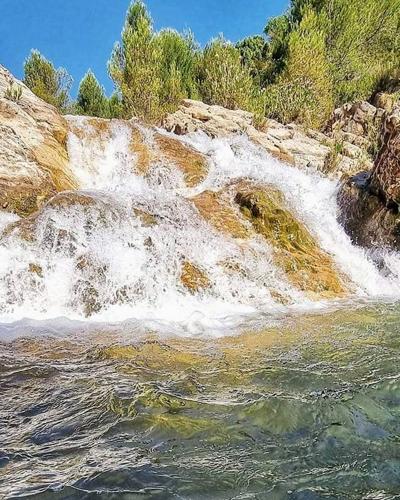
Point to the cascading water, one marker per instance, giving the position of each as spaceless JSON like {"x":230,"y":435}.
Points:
{"x":115,"y":249}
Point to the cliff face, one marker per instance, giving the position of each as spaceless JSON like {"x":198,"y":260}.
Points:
{"x":33,"y":154}
{"x":369,"y":202}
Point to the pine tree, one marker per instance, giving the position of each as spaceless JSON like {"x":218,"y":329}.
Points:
{"x":50,"y":84}
{"x":135,"y":65}
{"x":91,"y":98}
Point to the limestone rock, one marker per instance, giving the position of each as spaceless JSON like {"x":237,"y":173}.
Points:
{"x":289,"y":143}
{"x":33,"y":155}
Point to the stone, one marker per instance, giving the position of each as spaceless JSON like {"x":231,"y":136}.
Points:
{"x":34,"y":160}
{"x":288,"y":143}
{"x":295,"y":250}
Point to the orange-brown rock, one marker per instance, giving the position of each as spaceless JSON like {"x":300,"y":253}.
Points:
{"x":220,"y":214}
{"x":192,"y":163}
{"x":193,"y":278}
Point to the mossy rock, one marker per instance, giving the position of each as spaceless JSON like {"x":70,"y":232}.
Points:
{"x":296,"y":251}
{"x":192,"y":163}
{"x":220,"y":214}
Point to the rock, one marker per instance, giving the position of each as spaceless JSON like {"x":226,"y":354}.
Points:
{"x":34,"y":159}
{"x":289,"y":143}
{"x":193,"y":278}
{"x":356,"y":123}
{"x":216,"y":210}
{"x":192,"y":163}
{"x":364,"y":216}
{"x":385,"y":176}
{"x":369,"y":201}
{"x":295,"y":250}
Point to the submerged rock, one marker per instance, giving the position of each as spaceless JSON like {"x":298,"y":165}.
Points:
{"x":34,"y":160}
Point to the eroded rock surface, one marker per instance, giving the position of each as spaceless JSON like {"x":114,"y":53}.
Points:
{"x":369,"y":202}
{"x":289,"y":143}
{"x":33,"y":154}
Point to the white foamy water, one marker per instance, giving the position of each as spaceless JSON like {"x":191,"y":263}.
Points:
{"x":103,"y":262}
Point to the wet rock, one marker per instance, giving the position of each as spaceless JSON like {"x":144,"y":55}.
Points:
{"x":193,"y":278}
{"x":216,"y":210}
{"x":369,"y":201}
{"x":385,"y":176}
{"x":295,"y":250}
{"x":365,"y":218}
{"x":192,"y":163}
{"x":34,"y":160}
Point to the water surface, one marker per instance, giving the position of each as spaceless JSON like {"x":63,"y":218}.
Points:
{"x":307,"y":409}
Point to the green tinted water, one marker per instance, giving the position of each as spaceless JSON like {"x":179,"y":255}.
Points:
{"x":308,"y":410}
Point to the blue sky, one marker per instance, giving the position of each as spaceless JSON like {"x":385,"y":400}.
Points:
{"x":79,"y":34}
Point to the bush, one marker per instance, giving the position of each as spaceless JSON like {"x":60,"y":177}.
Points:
{"x":50,"y":84}
{"x":223,"y":80}
{"x":179,"y":59}
{"x":303,"y":91}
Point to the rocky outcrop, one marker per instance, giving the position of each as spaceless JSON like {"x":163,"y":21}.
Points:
{"x":289,"y":143}
{"x":356,"y":123}
{"x":369,"y":202}
{"x":33,"y":154}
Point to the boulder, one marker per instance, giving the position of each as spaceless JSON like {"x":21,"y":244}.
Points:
{"x":356,"y":123}
{"x":33,"y":154}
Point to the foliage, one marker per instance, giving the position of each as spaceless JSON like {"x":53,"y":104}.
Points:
{"x":91,"y":98}
{"x":50,"y":84}
{"x":254,"y":54}
{"x":179,"y":58}
{"x":303,"y":91}
{"x":223,"y":80}
{"x":362,"y":42}
{"x":13,"y":92}
{"x":135,"y":65}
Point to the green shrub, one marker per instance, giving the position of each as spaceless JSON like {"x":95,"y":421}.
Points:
{"x":179,"y":59}
{"x":50,"y":84}
{"x":223,"y":80}
{"x":13,"y":92}
{"x":303,"y":91}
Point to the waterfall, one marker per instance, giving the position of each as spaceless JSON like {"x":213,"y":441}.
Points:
{"x":122,"y":247}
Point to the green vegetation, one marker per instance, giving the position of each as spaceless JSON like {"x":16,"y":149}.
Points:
{"x":13,"y":92}
{"x":50,"y":84}
{"x":92,"y":100}
{"x":318,"y":55}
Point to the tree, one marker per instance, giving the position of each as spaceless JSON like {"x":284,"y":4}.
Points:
{"x":223,"y":78}
{"x":179,"y":58}
{"x":91,"y":98}
{"x":50,"y":84}
{"x":254,"y":55}
{"x":304,"y":92}
{"x":135,"y":65}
